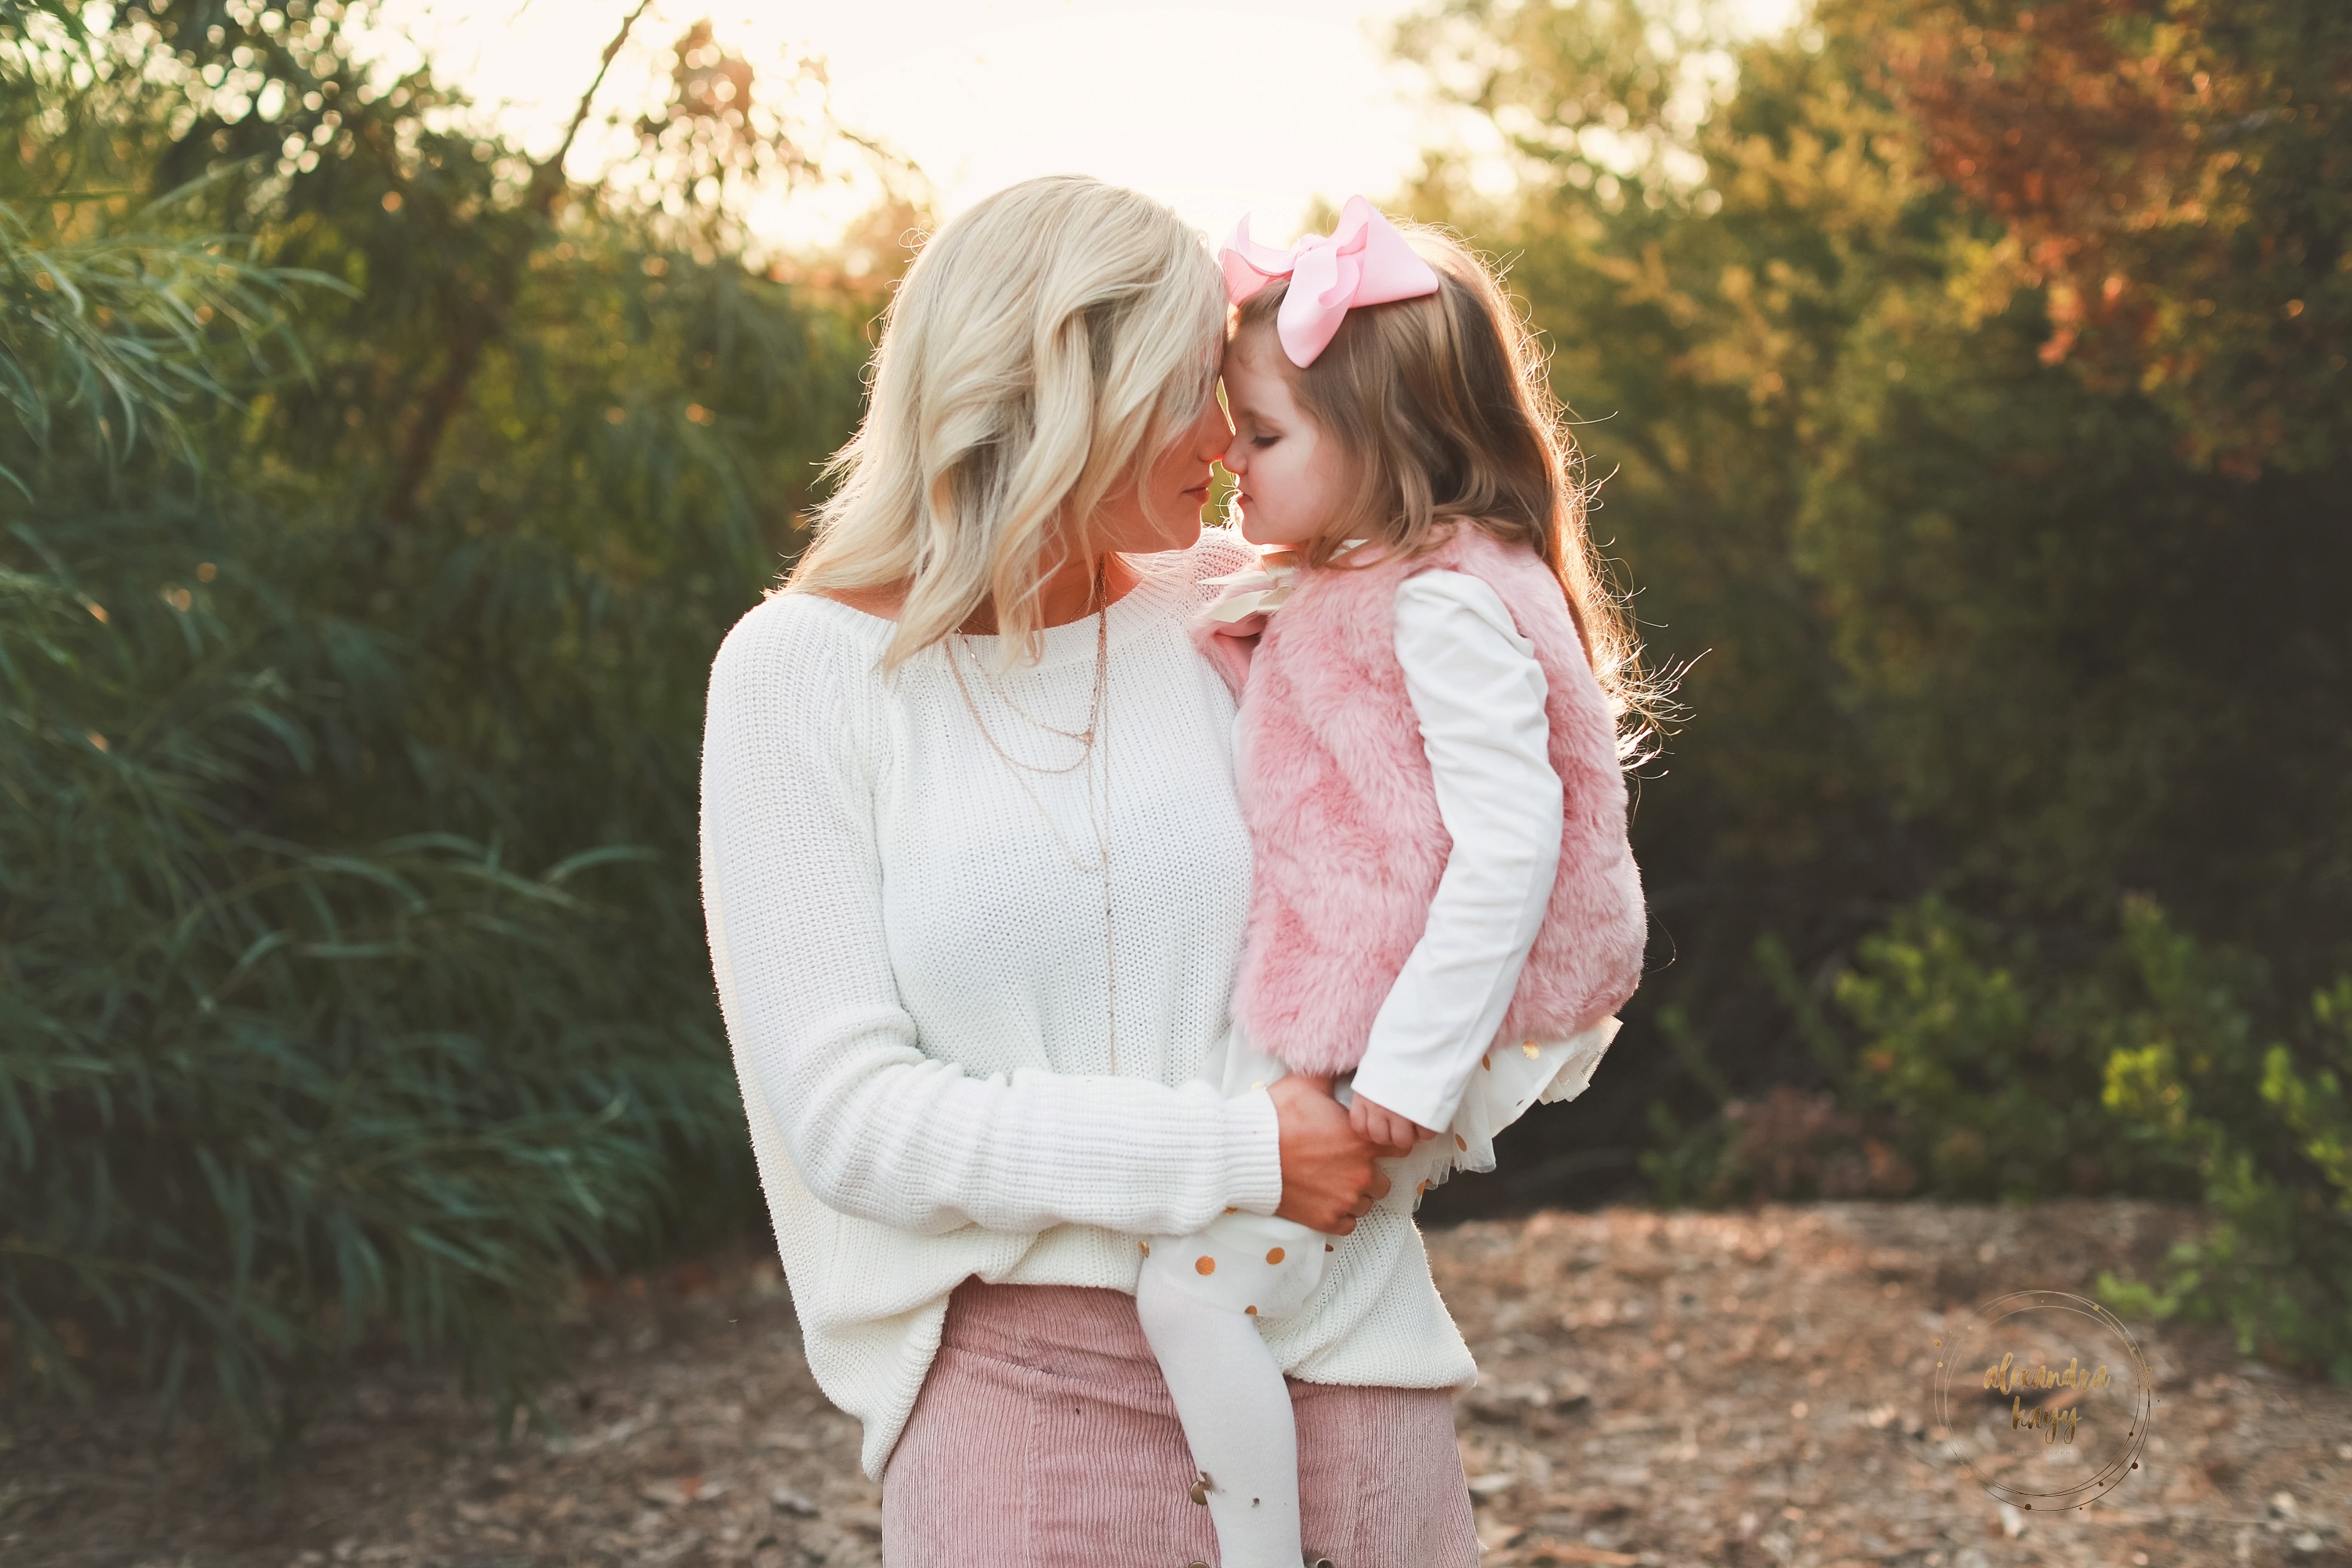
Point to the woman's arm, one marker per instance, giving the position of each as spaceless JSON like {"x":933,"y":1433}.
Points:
{"x":1480,"y":694}
{"x":876,"y":1128}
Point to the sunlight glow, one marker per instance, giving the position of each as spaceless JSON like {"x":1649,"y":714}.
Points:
{"x":1215,"y":110}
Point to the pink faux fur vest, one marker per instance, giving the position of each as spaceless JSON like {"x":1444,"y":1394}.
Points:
{"x":1342,"y":813}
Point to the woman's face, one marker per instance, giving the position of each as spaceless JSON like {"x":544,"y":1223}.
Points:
{"x":1293,"y":476}
{"x":1162,"y":510}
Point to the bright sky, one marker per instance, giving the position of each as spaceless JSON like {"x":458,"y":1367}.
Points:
{"x":1215,"y":110}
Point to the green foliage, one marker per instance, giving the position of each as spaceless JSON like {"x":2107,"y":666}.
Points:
{"x":1984,"y":594}
{"x":120,"y":329}
{"x":2265,"y":1128}
{"x":1969,"y":1065}
{"x":1968,"y":377}
{"x":380,"y":503}
{"x":254,"y":1098}
{"x":373,"y":496}
{"x":1986,"y":1066}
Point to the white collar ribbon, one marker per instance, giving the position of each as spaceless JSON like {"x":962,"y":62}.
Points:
{"x":1261,"y":589}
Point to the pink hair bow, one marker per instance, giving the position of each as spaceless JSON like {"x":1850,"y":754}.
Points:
{"x":1364,"y":261}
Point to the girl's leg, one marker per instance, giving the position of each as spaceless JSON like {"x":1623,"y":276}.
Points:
{"x":1235,"y":1408}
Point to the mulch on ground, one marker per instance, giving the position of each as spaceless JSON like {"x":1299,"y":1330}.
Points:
{"x":1739,"y":1389}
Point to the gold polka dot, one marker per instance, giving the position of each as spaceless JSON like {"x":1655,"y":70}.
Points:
{"x":1460,"y":1141}
{"x":1230,"y":1209}
{"x":1250,"y":1311}
{"x":1488,"y":1062}
{"x":1327,"y":1246}
{"x":1273,"y":1255}
{"x":1146,"y":1247}
{"x":1422,"y":1188}
{"x":1529,"y":1046}
{"x":1206,"y":1265}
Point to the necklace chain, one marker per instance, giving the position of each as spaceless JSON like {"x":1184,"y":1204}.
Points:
{"x":1093,"y":740}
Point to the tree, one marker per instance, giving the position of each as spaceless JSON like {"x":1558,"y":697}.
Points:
{"x":1997,"y":591}
{"x":351,"y":981}
{"x":2171,"y":176}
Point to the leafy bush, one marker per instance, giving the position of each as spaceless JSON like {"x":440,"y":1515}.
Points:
{"x":1965,"y":1065}
{"x":1985,"y":1062}
{"x":1967,"y":379}
{"x":2268,"y":1132}
{"x":2007,"y":1075}
{"x":377,"y":509}
{"x":256,"y":1099}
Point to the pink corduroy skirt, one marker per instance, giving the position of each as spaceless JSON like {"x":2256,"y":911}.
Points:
{"x":1044,"y":1438}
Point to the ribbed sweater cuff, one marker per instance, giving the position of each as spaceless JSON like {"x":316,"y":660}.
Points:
{"x":1253,"y":1152}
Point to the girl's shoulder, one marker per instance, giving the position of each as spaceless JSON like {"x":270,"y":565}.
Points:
{"x":1472,"y":549}
{"x":1512,"y":570}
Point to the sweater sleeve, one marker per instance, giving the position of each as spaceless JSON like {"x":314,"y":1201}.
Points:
{"x":874,"y":1126}
{"x":1478,"y":694}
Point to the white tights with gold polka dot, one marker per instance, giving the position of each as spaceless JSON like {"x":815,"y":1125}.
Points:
{"x":1201,"y":1296}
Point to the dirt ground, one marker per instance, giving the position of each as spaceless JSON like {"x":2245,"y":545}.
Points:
{"x":1743,"y":1389}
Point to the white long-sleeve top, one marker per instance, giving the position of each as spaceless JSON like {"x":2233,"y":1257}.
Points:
{"x":1478,"y":694}
{"x":907,"y":939}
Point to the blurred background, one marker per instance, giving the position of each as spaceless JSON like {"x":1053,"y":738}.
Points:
{"x":399,"y":403}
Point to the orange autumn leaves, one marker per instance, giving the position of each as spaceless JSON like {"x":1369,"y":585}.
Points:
{"x":2171,"y":172}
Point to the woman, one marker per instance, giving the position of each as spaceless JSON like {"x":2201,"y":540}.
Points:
{"x":975,"y":878}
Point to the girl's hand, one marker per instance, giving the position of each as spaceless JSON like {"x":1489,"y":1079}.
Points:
{"x":1379,"y":1124}
{"x":1247,"y":626}
{"x":1328,"y":1178}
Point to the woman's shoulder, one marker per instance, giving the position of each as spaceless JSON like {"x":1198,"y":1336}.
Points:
{"x":787,"y":619}
{"x":1182,"y":582}
{"x":793,"y":643}
{"x":1218,"y":552}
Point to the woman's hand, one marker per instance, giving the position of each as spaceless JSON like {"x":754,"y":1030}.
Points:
{"x":1379,"y":1124}
{"x":1329,"y":1180}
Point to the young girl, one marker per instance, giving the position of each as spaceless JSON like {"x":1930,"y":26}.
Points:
{"x":1446,"y":913}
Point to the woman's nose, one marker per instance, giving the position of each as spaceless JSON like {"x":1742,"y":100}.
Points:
{"x":1212,"y":434}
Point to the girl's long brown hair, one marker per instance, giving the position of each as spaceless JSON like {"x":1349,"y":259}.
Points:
{"x":1443,"y":405}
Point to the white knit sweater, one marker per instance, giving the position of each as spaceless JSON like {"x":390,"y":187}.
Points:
{"x":911,"y":961}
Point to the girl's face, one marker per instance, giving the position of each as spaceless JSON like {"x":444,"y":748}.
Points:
{"x":1294,"y":477}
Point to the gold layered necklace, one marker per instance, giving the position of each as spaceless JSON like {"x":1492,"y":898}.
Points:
{"x":1094,"y":757}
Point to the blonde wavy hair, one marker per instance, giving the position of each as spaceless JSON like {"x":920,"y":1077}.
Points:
{"x":1046,"y":345}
